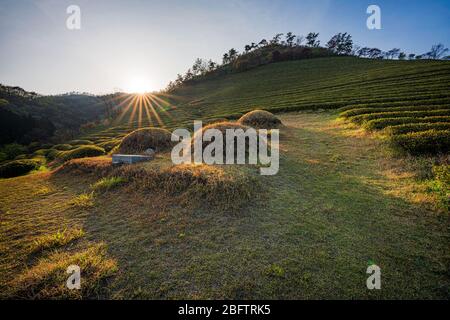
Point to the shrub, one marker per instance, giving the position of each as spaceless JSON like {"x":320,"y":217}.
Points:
{"x":109,"y":145}
{"x":378,"y":124}
{"x":80,"y":142}
{"x":414,"y":114}
{"x":416,"y":127}
{"x":21,"y":156}
{"x":18,"y":167}
{"x":360,"y":111}
{"x":63,"y":147}
{"x":260,"y":119}
{"x":81,"y":152}
{"x":422,"y":101}
{"x":139,"y":140}
{"x":13,"y":150}
{"x":424,"y":142}
{"x":52,"y":154}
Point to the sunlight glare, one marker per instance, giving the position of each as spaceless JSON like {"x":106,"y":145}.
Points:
{"x":138,"y":85}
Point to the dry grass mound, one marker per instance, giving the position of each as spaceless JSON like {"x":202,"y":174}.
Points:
{"x":218,"y":187}
{"x":140,"y":140}
{"x":260,"y":119}
{"x":99,"y":166}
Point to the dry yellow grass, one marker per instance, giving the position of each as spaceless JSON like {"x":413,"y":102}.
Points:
{"x":139,"y":140}
{"x":47,"y":279}
{"x":260,"y":119}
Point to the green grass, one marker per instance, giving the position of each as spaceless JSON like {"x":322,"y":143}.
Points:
{"x":109,"y":183}
{"x":55,"y":240}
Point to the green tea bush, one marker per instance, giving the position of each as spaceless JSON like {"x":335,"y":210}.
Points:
{"x":424,"y":142}
{"x":80,"y":142}
{"x":378,"y":124}
{"x":63,"y":147}
{"x":13,"y":150}
{"x":414,"y":114}
{"x":405,"y":102}
{"x":109,"y":145}
{"x":18,"y":167}
{"x":416,"y":127}
{"x":81,"y":152}
{"x":360,"y":111}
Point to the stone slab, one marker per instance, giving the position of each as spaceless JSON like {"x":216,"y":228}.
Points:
{"x":129,"y":158}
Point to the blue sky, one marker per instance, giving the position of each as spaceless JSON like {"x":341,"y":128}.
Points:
{"x":129,"y":42}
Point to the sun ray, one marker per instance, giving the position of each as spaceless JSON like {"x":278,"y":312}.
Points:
{"x":140,"y":112}
{"x":126,"y":109}
{"x":158,"y":119}
{"x":133,"y":112}
{"x":147,"y":112}
{"x":166,"y":113}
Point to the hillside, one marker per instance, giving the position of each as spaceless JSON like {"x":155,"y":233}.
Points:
{"x":28,"y":117}
{"x":341,"y":200}
{"x":341,"y":83}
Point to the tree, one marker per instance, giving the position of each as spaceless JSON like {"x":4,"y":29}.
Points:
{"x":211,"y":66}
{"x":290,"y":39}
{"x":262,"y":43}
{"x":276,"y":39}
{"x":437,"y":51}
{"x":375,"y":53}
{"x":179,"y":80}
{"x":247,"y":48}
{"x":401,"y":56}
{"x":299,"y":41}
{"x":188,"y":76}
{"x":225,"y":58}
{"x":355,"y":50}
{"x":363,"y":52}
{"x":341,"y":44}
{"x":392,"y":54}
{"x":311,"y":39}
{"x":232,"y":54}
{"x":200,"y":67}
{"x":411,"y":56}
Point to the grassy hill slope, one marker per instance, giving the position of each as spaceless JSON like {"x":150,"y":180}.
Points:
{"x":322,"y":83}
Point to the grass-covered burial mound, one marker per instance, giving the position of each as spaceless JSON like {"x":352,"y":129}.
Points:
{"x":260,"y":119}
{"x":142,"y":139}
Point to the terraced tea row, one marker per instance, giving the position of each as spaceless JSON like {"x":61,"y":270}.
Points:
{"x":416,"y":129}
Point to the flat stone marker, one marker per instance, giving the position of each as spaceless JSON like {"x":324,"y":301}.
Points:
{"x":129,"y":158}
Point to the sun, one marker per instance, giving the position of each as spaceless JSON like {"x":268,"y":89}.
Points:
{"x":138,"y":85}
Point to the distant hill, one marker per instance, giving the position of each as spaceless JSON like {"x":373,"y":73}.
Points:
{"x":27,"y":116}
{"x":321,"y":83}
